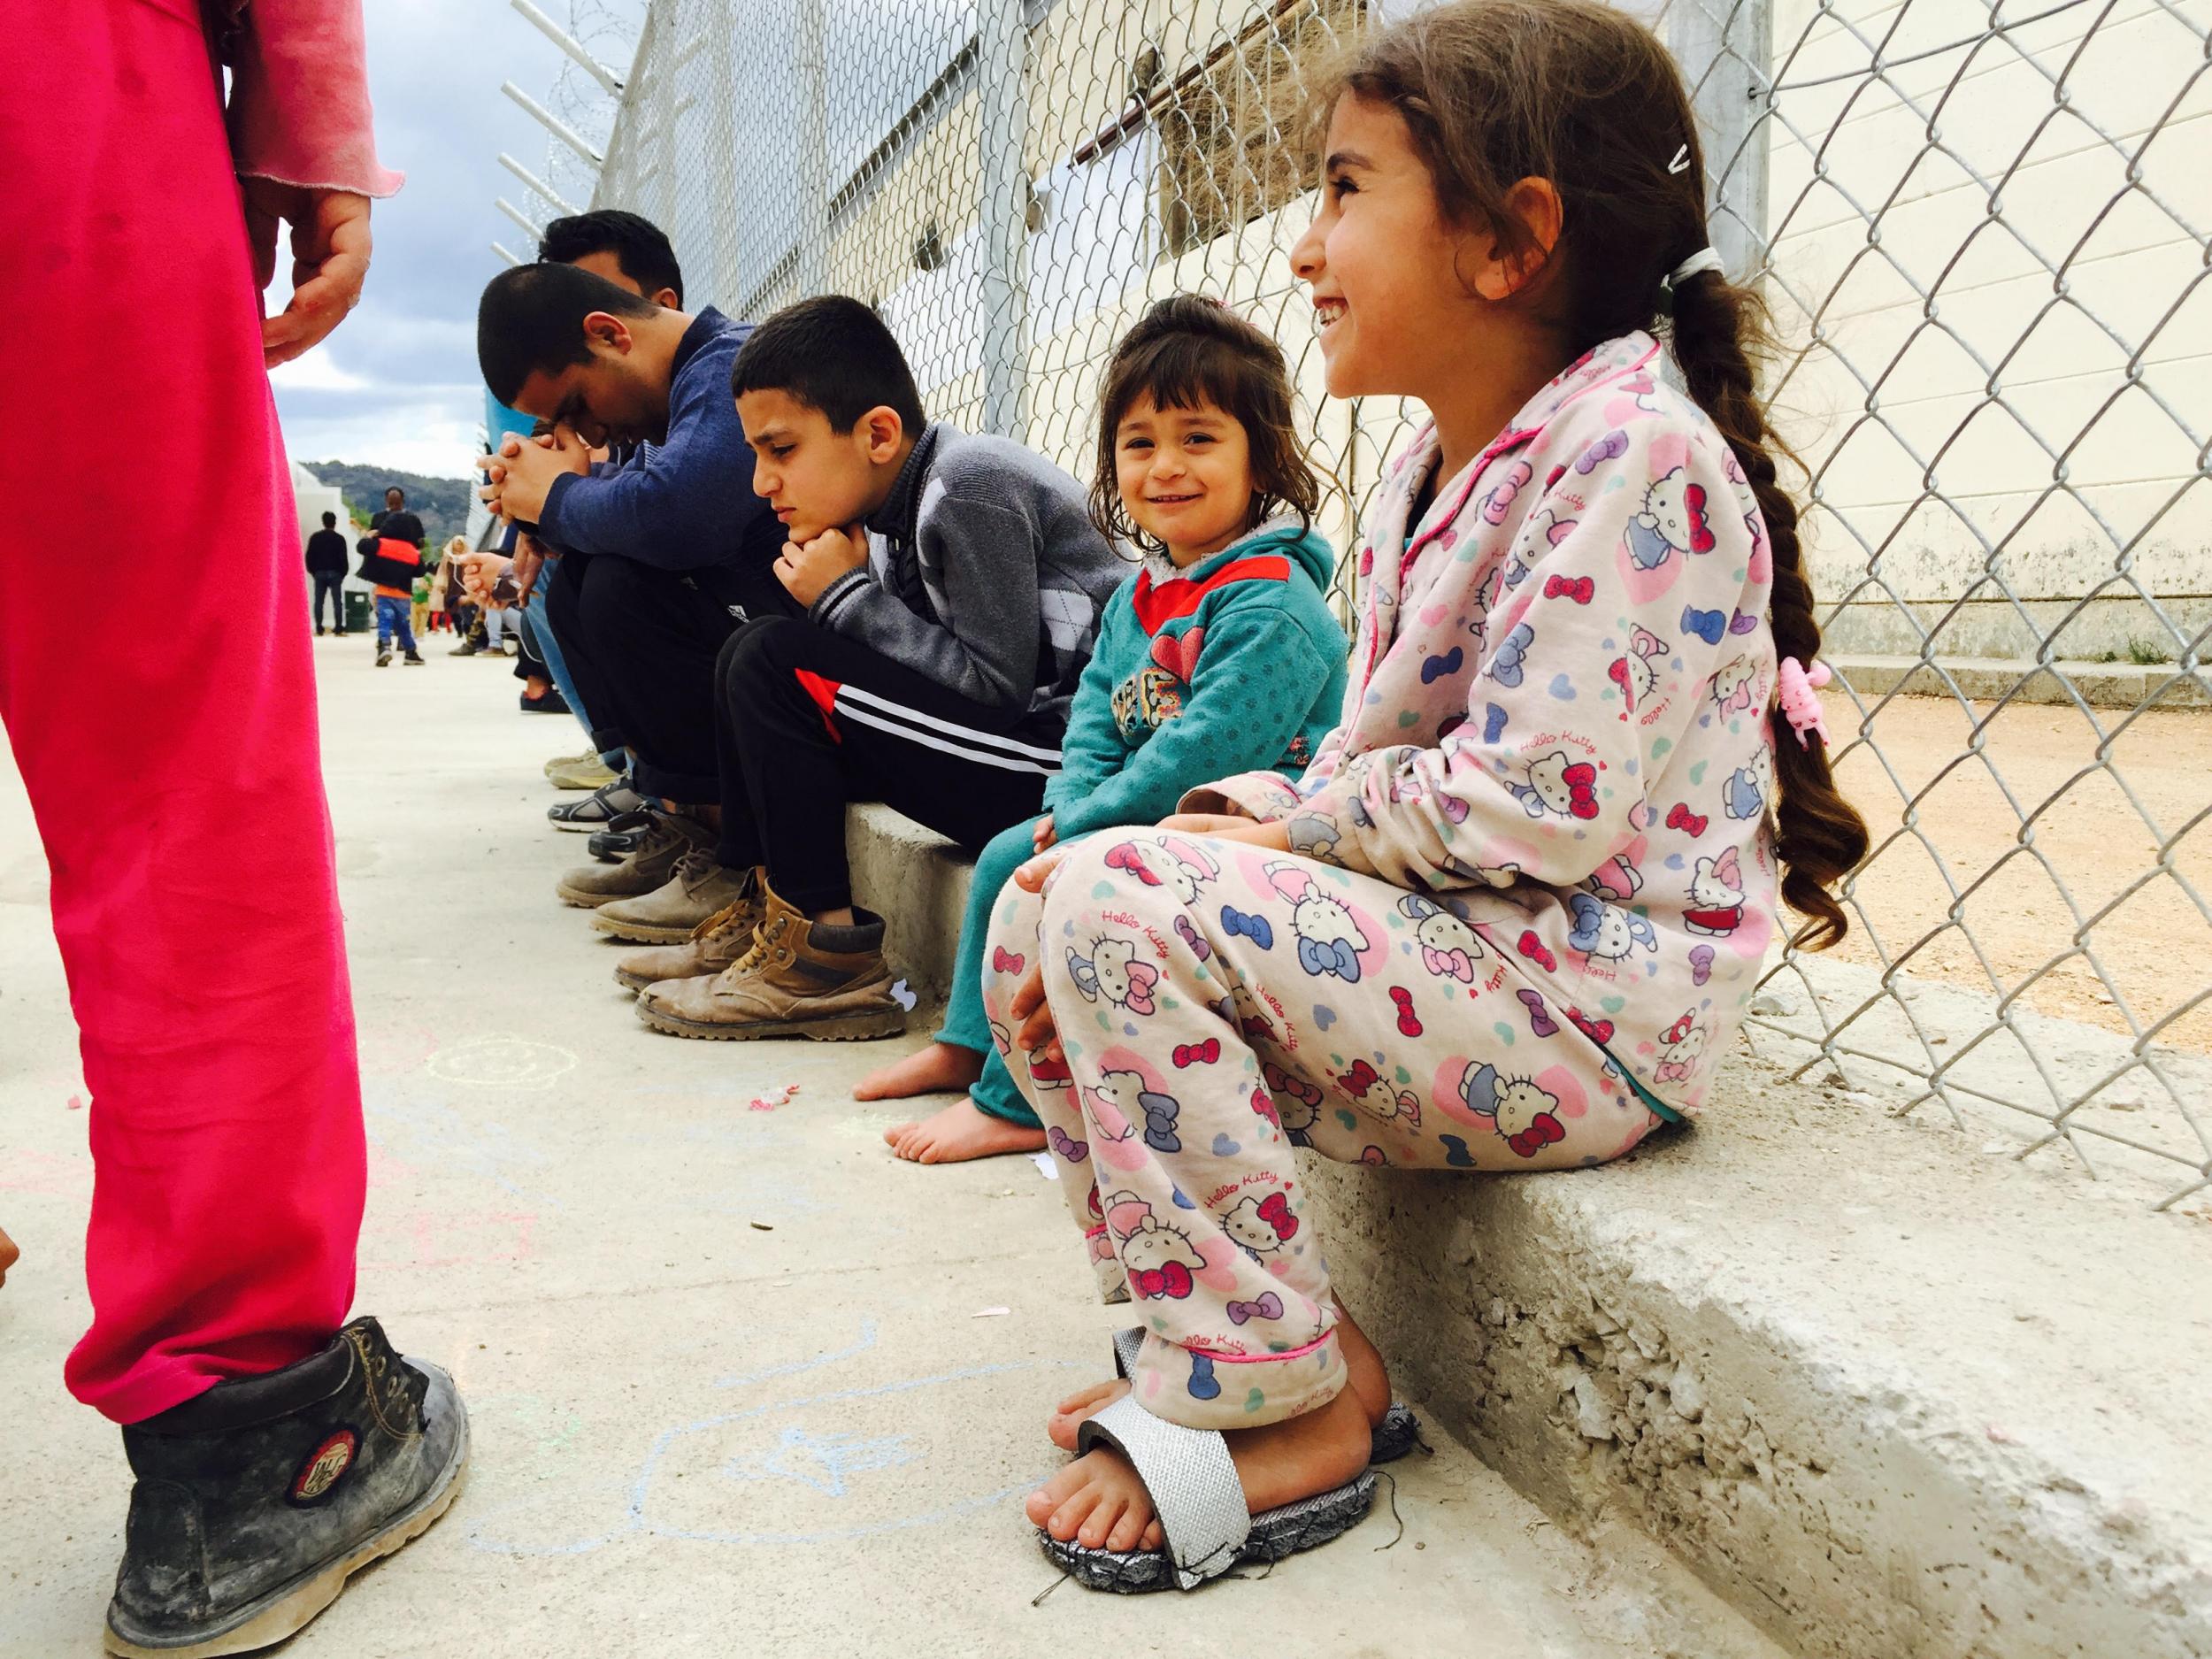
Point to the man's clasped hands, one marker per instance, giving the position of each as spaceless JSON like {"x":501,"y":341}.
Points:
{"x":521,"y":476}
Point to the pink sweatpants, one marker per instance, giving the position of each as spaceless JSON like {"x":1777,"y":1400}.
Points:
{"x":174,"y":769}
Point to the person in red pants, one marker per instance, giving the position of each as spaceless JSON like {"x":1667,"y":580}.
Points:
{"x":273,"y":1450}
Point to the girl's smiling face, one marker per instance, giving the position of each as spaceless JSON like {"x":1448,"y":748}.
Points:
{"x":1390,"y":276}
{"x":1185,"y":476}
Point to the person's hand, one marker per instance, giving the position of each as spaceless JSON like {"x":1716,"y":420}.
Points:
{"x":330,"y":260}
{"x":1227,"y":826}
{"x":529,"y":559}
{"x":479,"y":572}
{"x":9,"y":1256}
{"x":806,"y":571}
{"x":1042,"y":834}
{"x":526,"y":472}
{"x":1036,"y":1034}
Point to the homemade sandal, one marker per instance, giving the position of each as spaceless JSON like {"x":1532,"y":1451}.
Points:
{"x":1398,"y":1432}
{"x":1199,"y":1502}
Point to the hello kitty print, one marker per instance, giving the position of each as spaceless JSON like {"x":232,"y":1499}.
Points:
{"x":1560,"y":685}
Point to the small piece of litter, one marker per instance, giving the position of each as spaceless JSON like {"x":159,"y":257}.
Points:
{"x":990,"y":1313}
{"x":903,"y":997}
{"x":760,"y":1226}
{"x":1046,"y":1167}
{"x":76,"y":1103}
{"x":774,"y":1098}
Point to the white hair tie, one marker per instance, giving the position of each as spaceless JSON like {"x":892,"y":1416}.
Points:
{"x":1703,"y":260}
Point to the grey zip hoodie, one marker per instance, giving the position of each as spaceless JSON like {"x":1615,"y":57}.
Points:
{"x":985,"y":573}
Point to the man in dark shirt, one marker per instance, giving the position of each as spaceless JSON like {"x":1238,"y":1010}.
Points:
{"x":661,"y":557}
{"x":396,"y":521}
{"x":326,"y":564}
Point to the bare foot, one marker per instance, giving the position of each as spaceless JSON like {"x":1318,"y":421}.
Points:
{"x":939,"y":1069}
{"x":1097,"y":1500}
{"x":962,"y":1131}
{"x":1369,"y":1381}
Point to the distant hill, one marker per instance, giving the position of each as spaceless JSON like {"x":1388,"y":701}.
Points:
{"x":442,"y":503}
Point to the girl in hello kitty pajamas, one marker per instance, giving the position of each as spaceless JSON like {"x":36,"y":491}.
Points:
{"x":1510,"y":917}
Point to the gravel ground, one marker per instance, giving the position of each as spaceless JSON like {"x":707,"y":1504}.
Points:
{"x":2037,"y":817}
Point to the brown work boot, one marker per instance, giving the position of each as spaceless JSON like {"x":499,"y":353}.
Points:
{"x":714,"y":944}
{"x":667,"y":839}
{"x":801,"y":978}
{"x":696,"y":889}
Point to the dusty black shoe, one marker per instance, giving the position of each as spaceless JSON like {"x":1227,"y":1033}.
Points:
{"x":622,"y":836}
{"x":254,"y":1501}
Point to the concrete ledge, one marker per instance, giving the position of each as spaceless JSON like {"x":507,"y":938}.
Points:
{"x":1894,"y":1398}
{"x":1986,"y":679}
{"x":917,"y":881}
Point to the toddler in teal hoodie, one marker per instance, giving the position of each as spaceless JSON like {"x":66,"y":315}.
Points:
{"x":1218,"y":655}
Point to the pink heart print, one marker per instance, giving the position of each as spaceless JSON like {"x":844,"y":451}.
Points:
{"x":1178,"y":653}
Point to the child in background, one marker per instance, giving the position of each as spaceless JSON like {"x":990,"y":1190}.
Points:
{"x":394,"y":602}
{"x":1219,"y":655}
{"x":1487,"y":929}
{"x":419,"y":599}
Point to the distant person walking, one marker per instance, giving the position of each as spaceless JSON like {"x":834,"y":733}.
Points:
{"x":274,"y":1451}
{"x":392,"y":560}
{"x":326,"y":564}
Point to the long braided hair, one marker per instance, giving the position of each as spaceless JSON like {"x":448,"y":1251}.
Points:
{"x":1574,"y":91}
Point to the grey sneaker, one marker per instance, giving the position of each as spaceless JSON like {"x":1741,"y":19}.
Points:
{"x":256,"y":1500}
{"x":649,"y":867}
{"x":695,"y":891}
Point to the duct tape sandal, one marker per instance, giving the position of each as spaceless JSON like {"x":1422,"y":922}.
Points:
{"x":1398,"y":1432}
{"x":1199,"y":1502}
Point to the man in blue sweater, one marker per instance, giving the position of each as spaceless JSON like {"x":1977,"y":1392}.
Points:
{"x":665,"y":555}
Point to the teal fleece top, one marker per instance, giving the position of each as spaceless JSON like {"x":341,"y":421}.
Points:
{"x":1234,"y":663}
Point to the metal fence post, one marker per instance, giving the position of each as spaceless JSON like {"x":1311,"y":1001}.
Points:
{"x":812,"y":62}
{"x":1725,"y":50}
{"x":725,"y":225}
{"x":1003,"y":45}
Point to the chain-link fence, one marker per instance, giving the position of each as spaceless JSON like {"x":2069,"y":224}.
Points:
{"x":1980,"y":226}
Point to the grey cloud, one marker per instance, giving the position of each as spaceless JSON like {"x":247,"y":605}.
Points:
{"x":435,"y":71}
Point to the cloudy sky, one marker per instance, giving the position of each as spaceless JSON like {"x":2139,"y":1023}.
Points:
{"x":397,"y":384}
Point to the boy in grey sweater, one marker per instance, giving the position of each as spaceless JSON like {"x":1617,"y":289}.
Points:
{"x":953,"y":585}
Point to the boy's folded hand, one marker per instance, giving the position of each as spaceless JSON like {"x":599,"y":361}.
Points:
{"x":1043,"y":834}
{"x":807,"y":569}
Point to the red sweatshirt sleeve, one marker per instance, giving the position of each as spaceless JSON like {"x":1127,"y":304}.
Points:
{"x":299,"y":96}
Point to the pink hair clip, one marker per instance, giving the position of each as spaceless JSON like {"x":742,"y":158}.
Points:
{"x":1799,"y":706}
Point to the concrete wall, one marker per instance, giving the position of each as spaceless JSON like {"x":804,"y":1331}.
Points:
{"x":1916,"y":222}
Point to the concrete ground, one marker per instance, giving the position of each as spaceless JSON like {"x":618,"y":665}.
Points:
{"x":741,"y":1382}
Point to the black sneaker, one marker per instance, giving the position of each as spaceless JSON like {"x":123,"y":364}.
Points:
{"x":383,"y":656}
{"x":622,"y":836}
{"x":467,"y":647}
{"x":598,"y":810}
{"x":413,"y":660}
{"x":256,"y":1500}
